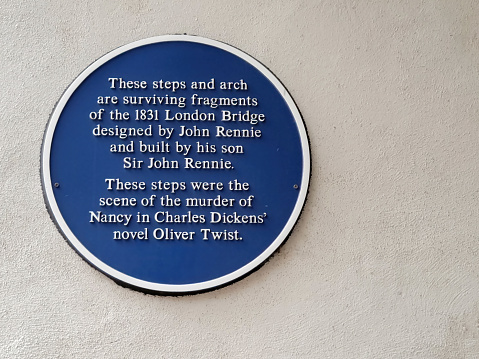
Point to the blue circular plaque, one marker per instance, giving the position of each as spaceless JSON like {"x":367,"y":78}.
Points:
{"x":175,"y":164}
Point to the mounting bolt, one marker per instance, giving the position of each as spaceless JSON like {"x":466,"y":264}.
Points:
{"x":57,"y":184}
{"x":295,"y":186}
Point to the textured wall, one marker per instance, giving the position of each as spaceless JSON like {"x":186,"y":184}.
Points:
{"x":384,"y":260}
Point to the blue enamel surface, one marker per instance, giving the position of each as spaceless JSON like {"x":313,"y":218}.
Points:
{"x":80,"y":162}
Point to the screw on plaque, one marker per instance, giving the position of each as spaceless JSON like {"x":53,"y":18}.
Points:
{"x":57,"y":184}
{"x":295,"y":186}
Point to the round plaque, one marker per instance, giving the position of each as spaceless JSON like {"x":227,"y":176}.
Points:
{"x":175,"y":164}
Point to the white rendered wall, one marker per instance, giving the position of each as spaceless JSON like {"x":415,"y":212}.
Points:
{"x":384,"y":260}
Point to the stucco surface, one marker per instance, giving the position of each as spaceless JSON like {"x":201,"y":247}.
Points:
{"x":383,"y":262}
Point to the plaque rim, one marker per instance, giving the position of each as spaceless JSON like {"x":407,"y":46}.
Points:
{"x":161,"y":288}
